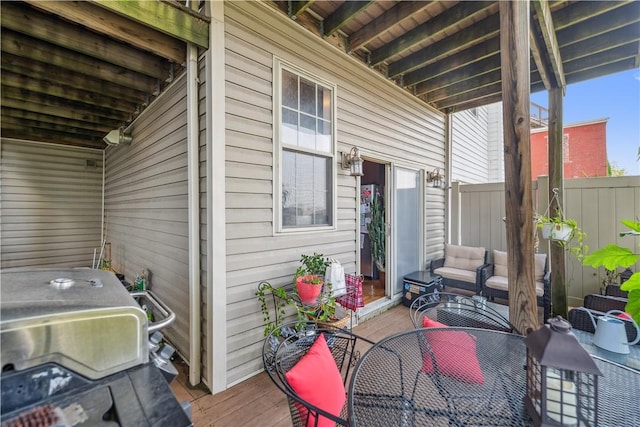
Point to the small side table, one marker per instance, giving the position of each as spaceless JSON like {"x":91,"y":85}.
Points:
{"x":420,"y":283}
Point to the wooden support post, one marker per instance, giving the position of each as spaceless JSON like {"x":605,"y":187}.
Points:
{"x":556,"y":180}
{"x":514,"y":55}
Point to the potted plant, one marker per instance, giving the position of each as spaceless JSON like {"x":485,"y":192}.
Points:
{"x":376,"y":229}
{"x":613,"y":257}
{"x":564,"y":232}
{"x":309,"y":278}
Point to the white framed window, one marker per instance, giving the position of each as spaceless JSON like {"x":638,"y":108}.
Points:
{"x":305,"y":140}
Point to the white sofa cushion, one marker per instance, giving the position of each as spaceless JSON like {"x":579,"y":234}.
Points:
{"x":500,"y":265}
{"x":456,"y":274}
{"x":463,"y":257}
{"x":501,"y":283}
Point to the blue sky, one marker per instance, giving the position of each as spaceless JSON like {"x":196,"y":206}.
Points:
{"x":617,"y":97}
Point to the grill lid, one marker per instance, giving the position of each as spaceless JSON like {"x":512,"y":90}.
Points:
{"x":82,"y":319}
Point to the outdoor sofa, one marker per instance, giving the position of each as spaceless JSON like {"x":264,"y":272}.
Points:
{"x":462,"y":267}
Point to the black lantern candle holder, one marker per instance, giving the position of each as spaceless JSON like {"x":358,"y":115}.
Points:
{"x":562,"y":378}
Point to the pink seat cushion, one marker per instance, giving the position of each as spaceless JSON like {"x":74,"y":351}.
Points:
{"x":454,"y":352}
{"x":317,"y":380}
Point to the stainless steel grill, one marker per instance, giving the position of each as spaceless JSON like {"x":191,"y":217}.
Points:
{"x":74,"y":348}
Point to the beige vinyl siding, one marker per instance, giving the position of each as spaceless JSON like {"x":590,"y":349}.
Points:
{"x":50,"y":214}
{"x":469,"y":155}
{"x":383,"y":121}
{"x":146,"y":206}
{"x":495,"y":142}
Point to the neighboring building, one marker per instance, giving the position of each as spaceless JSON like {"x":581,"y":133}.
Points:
{"x":584,"y":148}
{"x":478,"y":146}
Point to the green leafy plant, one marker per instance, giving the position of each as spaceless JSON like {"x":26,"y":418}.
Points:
{"x":315,"y":264}
{"x":612,"y":257}
{"x":576,"y":242}
{"x":376,"y":229}
{"x":312,"y":269}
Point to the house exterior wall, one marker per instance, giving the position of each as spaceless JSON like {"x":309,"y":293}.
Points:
{"x":585,"y":150}
{"x":383,"y":121}
{"x":469,"y":149}
{"x":50,"y":215}
{"x":495,"y":142}
{"x":145,"y":201}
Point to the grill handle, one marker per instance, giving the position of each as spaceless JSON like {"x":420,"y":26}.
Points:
{"x":169,"y":316}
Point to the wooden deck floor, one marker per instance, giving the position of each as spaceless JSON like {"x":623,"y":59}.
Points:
{"x":257,"y":401}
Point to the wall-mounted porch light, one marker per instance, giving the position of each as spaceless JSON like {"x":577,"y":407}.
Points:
{"x":435,"y":178}
{"x":117,"y":137}
{"x":353,"y":161}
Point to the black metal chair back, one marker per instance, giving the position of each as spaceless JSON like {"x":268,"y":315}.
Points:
{"x":459,"y":310}
{"x":284,"y":348}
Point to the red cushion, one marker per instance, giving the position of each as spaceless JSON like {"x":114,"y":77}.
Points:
{"x":454,"y":352}
{"x":317,"y":380}
{"x":626,"y":316}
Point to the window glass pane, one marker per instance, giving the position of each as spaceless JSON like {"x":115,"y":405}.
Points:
{"x":324,"y":103}
{"x":323,"y":138}
{"x":289,"y":127}
{"x":289,"y":90}
{"x":307,"y":96}
{"x":306,"y":190}
{"x":307,"y":137}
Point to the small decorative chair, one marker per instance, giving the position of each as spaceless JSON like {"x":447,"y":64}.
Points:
{"x":310,"y":364}
{"x":458,"y":310}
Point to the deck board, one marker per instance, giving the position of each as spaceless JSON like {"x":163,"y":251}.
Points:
{"x":257,"y":401}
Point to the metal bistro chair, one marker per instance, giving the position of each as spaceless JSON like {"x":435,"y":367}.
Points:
{"x":286,"y":346}
{"x":459,"y":310}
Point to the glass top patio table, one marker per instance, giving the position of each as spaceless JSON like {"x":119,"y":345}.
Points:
{"x":464,"y":376}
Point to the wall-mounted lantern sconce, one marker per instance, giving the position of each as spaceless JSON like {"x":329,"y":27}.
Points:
{"x":117,"y":137}
{"x":353,"y":161}
{"x":435,"y":178}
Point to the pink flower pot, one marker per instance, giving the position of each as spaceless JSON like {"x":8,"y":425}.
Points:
{"x":308,"y":292}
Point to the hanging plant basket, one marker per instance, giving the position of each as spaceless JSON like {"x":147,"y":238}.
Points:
{"x":561,"y":232}
{"x":546,"y":229}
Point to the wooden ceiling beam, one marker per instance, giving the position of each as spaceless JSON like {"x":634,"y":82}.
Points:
{"x":346,"y":12}
{"x":24,"y":83}
{"x":472,"y":35}
{"x":583,"y":10}
{"x":64,"y":111}
{"x":104,"y":126}
{"x":296,"y":8}
{"x":106,"y":22}
{"x":630,"y":50}
{"x":38,"y":103}
{"x":62,"y":138}
{"x":495,"y":88}
{"x":602,"y":70}
{"x":395,"y":16}
{"x":545,"y":50}
{"x":38,"y":50}
{"x":464,"y":86}
{"x":471,"y":55}
{"x":602,"y":24}
{"x":16,"y":123}
{"x":50,"y":73}
{"x":439,"y":24}
{"x":171,"y":18}
{"x":27,"y":20}
{"x":601,"y":43}
{"x":457,"y":75}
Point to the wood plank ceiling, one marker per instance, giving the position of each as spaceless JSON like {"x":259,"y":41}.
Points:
{"x":73,"y":71}
{"x":448,"y":52}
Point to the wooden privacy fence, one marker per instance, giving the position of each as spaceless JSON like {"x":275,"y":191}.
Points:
{"x":597,"y":204}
